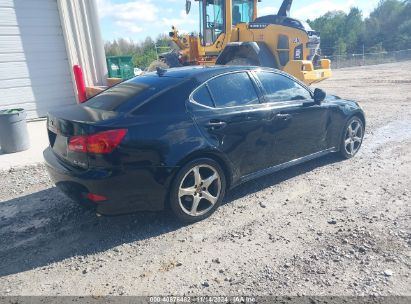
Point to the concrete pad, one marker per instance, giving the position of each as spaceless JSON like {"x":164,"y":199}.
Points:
{"x":38,"y":142}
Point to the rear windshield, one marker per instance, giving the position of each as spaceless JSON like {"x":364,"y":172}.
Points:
{"x":131,"y":93}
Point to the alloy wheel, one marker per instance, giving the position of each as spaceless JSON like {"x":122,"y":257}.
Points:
{"x":199,"y":190}
{"x":353,"y":137}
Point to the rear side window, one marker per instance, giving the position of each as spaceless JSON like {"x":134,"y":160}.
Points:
{"x":169,"y":101}
{"x":280,"y":88}
{"x":202,"y":96}
{"x":131,"y":93}
{"x":232,"y":90}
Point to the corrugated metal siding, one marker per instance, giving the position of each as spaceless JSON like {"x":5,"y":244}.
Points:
{"x":34,"y":69}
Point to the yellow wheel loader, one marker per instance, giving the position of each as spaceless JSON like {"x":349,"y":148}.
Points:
{"x":232,"y":34}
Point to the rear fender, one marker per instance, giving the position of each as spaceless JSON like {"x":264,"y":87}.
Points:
{"x":231,"y":173}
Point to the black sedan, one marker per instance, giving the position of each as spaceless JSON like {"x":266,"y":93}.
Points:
{"x":182,"y":137}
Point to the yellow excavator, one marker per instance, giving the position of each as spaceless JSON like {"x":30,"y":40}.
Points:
{"x":232,"y":34}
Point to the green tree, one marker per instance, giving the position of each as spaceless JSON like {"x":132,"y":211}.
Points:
{"x":354,"y":28}
{"x":387,"y":28}
{"x":332,"y":27}
{"x":383,"y":25}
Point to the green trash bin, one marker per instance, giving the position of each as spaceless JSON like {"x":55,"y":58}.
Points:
{"x":120,"y":67}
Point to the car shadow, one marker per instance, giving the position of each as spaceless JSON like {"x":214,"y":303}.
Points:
{"x":46,"y":227}
{"x":272,"y":179}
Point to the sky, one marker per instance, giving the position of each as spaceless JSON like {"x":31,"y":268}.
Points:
{"x":137,"y":19}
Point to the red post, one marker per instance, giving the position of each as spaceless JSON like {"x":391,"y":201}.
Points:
{"x":81,"y":86}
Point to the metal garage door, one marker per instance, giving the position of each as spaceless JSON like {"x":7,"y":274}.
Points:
{"x":34,"y":69}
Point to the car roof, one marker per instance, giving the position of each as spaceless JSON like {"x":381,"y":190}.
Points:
{"x":202,"y":73}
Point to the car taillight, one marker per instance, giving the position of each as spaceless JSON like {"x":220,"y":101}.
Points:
{"x":78,"y":144}
{"x":99,"y":143}
{"x":96,"y":198}
{"x":105,"y":142}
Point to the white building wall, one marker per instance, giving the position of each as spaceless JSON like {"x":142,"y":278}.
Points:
{"x":34,"y":67}
{"x":40,"y":41}
{"x":79,"y":19}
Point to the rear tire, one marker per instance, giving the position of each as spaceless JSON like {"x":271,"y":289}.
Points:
{"x":352,"y":137}
{"x":242,"y":61}
{"x":197,"y":190}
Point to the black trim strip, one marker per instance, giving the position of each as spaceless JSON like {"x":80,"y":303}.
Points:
{"x":288,"y":164}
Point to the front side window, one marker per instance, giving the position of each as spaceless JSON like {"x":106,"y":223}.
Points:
{"x":212,"y":16}
{"x":233,"y":90}
{"x":243,"y":11}
{"x":280,"y":88}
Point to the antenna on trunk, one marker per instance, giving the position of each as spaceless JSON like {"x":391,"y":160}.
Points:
{"x":160,"y":71}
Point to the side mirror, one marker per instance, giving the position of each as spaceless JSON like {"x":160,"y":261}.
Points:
{"x":188,"y":6}
{"x":319,"y":95}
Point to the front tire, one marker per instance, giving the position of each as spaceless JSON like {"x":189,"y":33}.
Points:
{"x":352,"y":138}
{"x":197,"y":190}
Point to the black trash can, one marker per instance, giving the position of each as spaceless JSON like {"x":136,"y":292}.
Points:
{"x":14,"y":136}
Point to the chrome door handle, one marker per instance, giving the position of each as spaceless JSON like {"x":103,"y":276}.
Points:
{"x":216,"y":124}
{"x":283,"y":116}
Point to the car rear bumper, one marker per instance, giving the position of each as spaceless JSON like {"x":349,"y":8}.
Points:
{"x":140,"y":188}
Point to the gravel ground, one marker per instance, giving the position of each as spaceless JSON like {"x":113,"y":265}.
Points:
{"x":327,"y":227}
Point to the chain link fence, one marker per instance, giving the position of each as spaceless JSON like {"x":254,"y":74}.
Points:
{"x":352,"y":60}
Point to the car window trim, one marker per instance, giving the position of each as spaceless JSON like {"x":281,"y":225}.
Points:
{"x":264,"y":92}
{"x":252,"y":80}
{"x":211,"y":95}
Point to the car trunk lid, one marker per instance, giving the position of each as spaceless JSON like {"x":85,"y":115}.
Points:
{"x":73,"y":121}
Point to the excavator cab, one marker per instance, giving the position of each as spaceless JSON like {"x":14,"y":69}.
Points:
{"x":213,"y":17}
{"x":230,"y":33}
{"x":217,"y":22}
{"x":243,"y":11}
{"x":212,"y":21}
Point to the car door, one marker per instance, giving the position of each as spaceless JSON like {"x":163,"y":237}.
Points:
{"x":298,"y":124}
{"x":228,"y":112}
